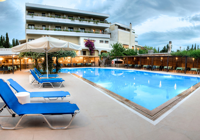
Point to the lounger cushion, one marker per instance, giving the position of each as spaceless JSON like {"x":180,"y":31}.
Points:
{"x":52,"y":80}
{"x":45,"y":94}
{"x":49,"y":94}
{"x":34,"y":108}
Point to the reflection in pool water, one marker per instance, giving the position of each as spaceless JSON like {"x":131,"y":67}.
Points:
{"x":147,"y":89}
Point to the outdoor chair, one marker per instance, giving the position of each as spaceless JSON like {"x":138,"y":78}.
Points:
{"x":45,"y":75}
{"x":68,"y":65}
{"x":44,"y":94}
{"x":137,"y":66}
{"x":148,"y":67}
{"x":145,"y":66}
{"x":49,"y":81}
{"x":33,"y":109}
{"x":130,"y":65}
{"x":180,"y":68}
{"x":155,"y":67}
{"x":79,"y":64}
{"x":169,"y":67}
{"x":4,"y":69}
{"x":88,"y":64}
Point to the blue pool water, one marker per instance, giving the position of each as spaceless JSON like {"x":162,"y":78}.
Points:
{"x":147,"y":89}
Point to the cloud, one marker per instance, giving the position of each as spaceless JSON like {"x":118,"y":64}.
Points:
{"x":183,"y":36}
{"x":155,"y":21}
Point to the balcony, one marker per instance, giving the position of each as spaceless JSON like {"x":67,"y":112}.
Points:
{"x":136,"y":42}
{"x":65,"y":20}
{"x":40,"y":31}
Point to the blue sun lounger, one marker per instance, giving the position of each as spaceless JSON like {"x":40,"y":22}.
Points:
{"x":45,"y":75}
{"x":49,"y":80}
{"x":44,"y":94}
{"x":34,"y":109}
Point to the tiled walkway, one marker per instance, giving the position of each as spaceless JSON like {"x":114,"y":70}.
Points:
{"x":102,"y":118}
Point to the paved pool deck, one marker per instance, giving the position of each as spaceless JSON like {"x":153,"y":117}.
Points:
{"x":101,"y":117}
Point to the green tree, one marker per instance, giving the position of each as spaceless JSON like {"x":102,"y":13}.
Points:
{"x":130,"y":52}
{"x":150,"y":48}
{"x":164,"y":49}
{"x":192,"y":48}
{"x":17,"y":42}
{"x":195,"y":47}
{"x":7,"y":45}
{"x":60,"y":54}
{"x":32,"y":55}
{"x":167,"y":47}
{"x":158,"y":50}
{"x":198,"y":47}
{"x":188,"y":48}
{"x":1,"y":41}
{"x":13,"y":42}
{"x":118,"y":50}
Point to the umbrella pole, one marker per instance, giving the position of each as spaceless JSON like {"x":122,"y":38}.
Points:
{"x":47,"y":63}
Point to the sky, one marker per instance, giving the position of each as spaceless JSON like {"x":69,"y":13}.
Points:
{"x":156,"y":22}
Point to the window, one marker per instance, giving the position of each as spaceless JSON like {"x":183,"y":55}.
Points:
{"x":101,"y":31}
{"x":90,"y":40}
{"x":30,"y":39}
{"x":84,"y":52}
{"x":82,"y":18}
{"x":101,"y":41}
{"x":70,"y":28}
{"x":43,"y":14}
{"x":31,"y":26}
{"x":82,"y":30}
{"x":58,"y":27}
{"x":106,"y":42}
{"x":70,"y":17}
{"x":43,"y":27}
{"x":57,"y":16}
{"x":30,"y":13}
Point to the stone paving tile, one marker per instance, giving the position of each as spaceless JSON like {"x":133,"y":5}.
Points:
{"x":101,"y":118}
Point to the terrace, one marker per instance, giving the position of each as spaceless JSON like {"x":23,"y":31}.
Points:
{"x":65,"y":32}
{"x":106,"y":118}
{"x":66,"y":20}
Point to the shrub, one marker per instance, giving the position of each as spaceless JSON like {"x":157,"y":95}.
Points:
{"x":89,"y":44}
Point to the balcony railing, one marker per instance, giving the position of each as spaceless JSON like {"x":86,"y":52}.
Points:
{"x":65,"y":30}
{"x":65,"y":17}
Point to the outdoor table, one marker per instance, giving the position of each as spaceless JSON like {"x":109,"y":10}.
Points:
{"x":23,"y":97}
{"x":157,"y":67}
{"x":129,"y":65}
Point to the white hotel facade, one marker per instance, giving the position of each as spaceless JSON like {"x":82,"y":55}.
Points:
{"x":76,"y":26}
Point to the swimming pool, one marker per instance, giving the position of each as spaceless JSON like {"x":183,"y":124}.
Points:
{"x":146,"y":89}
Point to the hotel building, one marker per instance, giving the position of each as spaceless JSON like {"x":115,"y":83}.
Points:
{"x":76,"y":26}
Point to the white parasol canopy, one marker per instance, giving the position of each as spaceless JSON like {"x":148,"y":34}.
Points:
{"x":46,"y":45}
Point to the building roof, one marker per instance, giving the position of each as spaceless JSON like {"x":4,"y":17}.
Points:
{"x":31,"y":6}
{"x":122,"y":25}
{"x":7,"y":51}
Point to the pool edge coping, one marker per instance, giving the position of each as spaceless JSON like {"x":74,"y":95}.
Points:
{"x":154,"y":114}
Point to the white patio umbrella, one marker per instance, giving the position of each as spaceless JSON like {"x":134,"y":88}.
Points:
{"x":46,"y":45}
